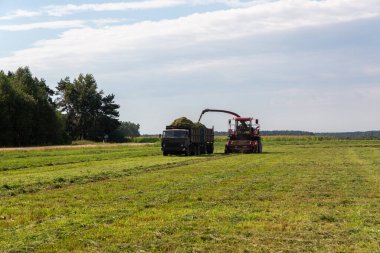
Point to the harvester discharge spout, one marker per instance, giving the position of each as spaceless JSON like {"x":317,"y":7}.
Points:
{"x":216,"y":110}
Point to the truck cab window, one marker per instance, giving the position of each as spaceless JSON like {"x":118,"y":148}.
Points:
{"x":175,"y":134}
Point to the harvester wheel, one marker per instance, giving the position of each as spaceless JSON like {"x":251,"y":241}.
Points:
{"x":165,"y":153}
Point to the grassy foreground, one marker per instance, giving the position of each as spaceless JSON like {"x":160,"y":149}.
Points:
{"x":301,"y":195}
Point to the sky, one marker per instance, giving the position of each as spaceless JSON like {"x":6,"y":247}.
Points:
{"x":293,"y":64}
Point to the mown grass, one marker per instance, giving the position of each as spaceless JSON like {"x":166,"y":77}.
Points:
{"x":31,"y":170}
{"x":307,"y":196}
{"x":11,"y":160}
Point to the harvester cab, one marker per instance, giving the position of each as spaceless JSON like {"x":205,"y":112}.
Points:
{"x":243,"y":128}
{"x":243,"y":133}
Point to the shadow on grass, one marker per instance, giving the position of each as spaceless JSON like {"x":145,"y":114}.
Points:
{"x":263,"y":153}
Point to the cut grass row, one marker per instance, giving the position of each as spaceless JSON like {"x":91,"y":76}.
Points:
{"x":12,"y":160}
{"x":32,"y":180}
{"x":33,"y":170}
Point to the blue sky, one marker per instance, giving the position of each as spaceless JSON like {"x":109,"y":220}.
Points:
{"x":294,"y":64}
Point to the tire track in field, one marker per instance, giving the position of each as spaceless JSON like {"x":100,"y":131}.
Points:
{"x":107,"y":145}
{"x":14,"y":190}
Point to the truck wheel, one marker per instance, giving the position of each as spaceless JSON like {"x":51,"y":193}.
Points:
{"x":165,"y":153}
{"x":191,"y":150}
{"x":197,"y":150}
{"x":210,"y":149}
{"x":260,"y":148}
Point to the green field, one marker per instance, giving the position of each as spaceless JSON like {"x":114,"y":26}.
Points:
{"x":303,"y":194}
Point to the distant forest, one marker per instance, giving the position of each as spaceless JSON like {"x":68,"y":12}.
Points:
{"x":339,"y":135}
{"x":31,"y":113}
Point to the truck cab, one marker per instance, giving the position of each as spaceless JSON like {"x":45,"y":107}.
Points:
{"x":175,"y":141}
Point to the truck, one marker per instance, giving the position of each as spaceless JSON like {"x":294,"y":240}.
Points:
{"x":187,"y":140}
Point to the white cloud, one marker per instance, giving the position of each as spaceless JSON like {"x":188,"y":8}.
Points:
{"x":108,"y":21}
{"x":20,"y":14}
{"x":230,"y":3}
{"x":62,"y":24}
{"x":60,"y":10}
{"x":372,"y":70}
{"x":65,"y":24}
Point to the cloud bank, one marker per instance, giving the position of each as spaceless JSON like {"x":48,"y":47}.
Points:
{"x":269,"y":17}
{"x":68,"y":9}
{"x":294,"y":62}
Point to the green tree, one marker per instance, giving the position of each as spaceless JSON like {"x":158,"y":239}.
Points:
{"x":125,"y":130}
{"x":89,"y":114}
{"x":6,"y":94}
{"x":28,"y":114}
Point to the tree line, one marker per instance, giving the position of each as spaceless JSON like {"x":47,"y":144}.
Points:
{"x":352,"y":135}
{"x":338,"y":135}
{"x":31,"y":113}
